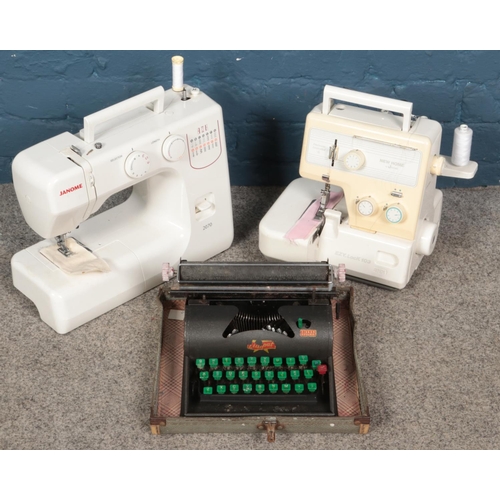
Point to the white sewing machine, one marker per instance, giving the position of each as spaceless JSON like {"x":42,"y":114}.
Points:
{"x":173,"y":153}
{"x":375,"y":171}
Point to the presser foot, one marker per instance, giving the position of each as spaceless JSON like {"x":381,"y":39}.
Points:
{"x":61,"y":246}
{"x":323,"y":202}
{"x":325,"y":192}
{"x":73,"y":258}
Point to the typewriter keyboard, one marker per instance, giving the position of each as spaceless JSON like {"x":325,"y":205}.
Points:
{"x":296,"y":377}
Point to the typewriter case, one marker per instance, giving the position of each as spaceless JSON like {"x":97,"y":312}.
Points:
{"x":221,"y":309}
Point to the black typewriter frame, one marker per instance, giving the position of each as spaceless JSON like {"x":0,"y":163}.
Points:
{"x":193,"y":404}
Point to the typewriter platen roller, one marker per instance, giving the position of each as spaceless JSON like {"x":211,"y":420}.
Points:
{"x":258,"y":338}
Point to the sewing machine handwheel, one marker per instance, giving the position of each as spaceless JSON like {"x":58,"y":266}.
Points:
{"x":427,"y":239}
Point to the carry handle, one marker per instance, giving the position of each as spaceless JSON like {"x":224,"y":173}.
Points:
{"x":332,"y":93}
{"x":156,"y":96}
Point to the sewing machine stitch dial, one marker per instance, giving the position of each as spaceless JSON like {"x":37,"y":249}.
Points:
{"x":354,"y":160}
{"x":394,"y":214}
{"x":137,"y":164}
{"x":367,"y":207}
{"x":173,"y":147}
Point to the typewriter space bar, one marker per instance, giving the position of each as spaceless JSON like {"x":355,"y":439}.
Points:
{"x":260,"y":398}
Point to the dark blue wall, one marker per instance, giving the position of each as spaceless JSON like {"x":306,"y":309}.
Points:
{"x":265,"y":96}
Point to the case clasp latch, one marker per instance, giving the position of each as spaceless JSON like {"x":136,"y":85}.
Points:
{"x":271,"y":425}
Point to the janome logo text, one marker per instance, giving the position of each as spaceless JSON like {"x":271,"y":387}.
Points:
{"x":71,"y":189}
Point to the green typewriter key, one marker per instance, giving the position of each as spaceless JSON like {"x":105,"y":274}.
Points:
{"x":260,"y":388}
{"x":269,"y":374}
{"x":221,"y":389}
{"x":217,"y":375}
{"x":315,"y":363}
{"x":243,"y":374}
{"x":239,"y":362}
{"x":230,"y":374}
{"x":204,"y":376}
{"x":312,"y":386}
{"x":226,"y":362}
{"x":256,"y":375}
{"x":286,"y":388}
{"x":282,"y":376}
{"x":299,"y":388}
{"x":207,"y":390}
{"x":303,"y":358}
{"x":290,"y":362}
{"x":247,"y":388}
{"x":277,"y":362}
{"x":295,"y":374}
{"x":200,"y":363}
{"x":308,"y":374}
{"x":234,"y":388}
{"x":251,"y":361}
{"x":213,"y":362}
{"x":264,"y":360}
{"x":273,"y":388}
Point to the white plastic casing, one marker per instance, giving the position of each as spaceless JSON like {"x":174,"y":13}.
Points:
{"x":177,"y":209}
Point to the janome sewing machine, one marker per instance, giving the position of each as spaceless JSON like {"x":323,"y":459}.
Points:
{"x":170,"y":145}
{"x":368,"y":196}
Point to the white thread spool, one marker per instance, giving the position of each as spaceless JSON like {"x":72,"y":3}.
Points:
{"x":462,"y":143}
{"x":178,"y":73}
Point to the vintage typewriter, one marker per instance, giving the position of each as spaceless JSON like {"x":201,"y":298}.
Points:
{"x":253,"y":339}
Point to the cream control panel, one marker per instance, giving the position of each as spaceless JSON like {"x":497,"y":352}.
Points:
{"x":365,"y":157}
{"x":381,"y":172}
